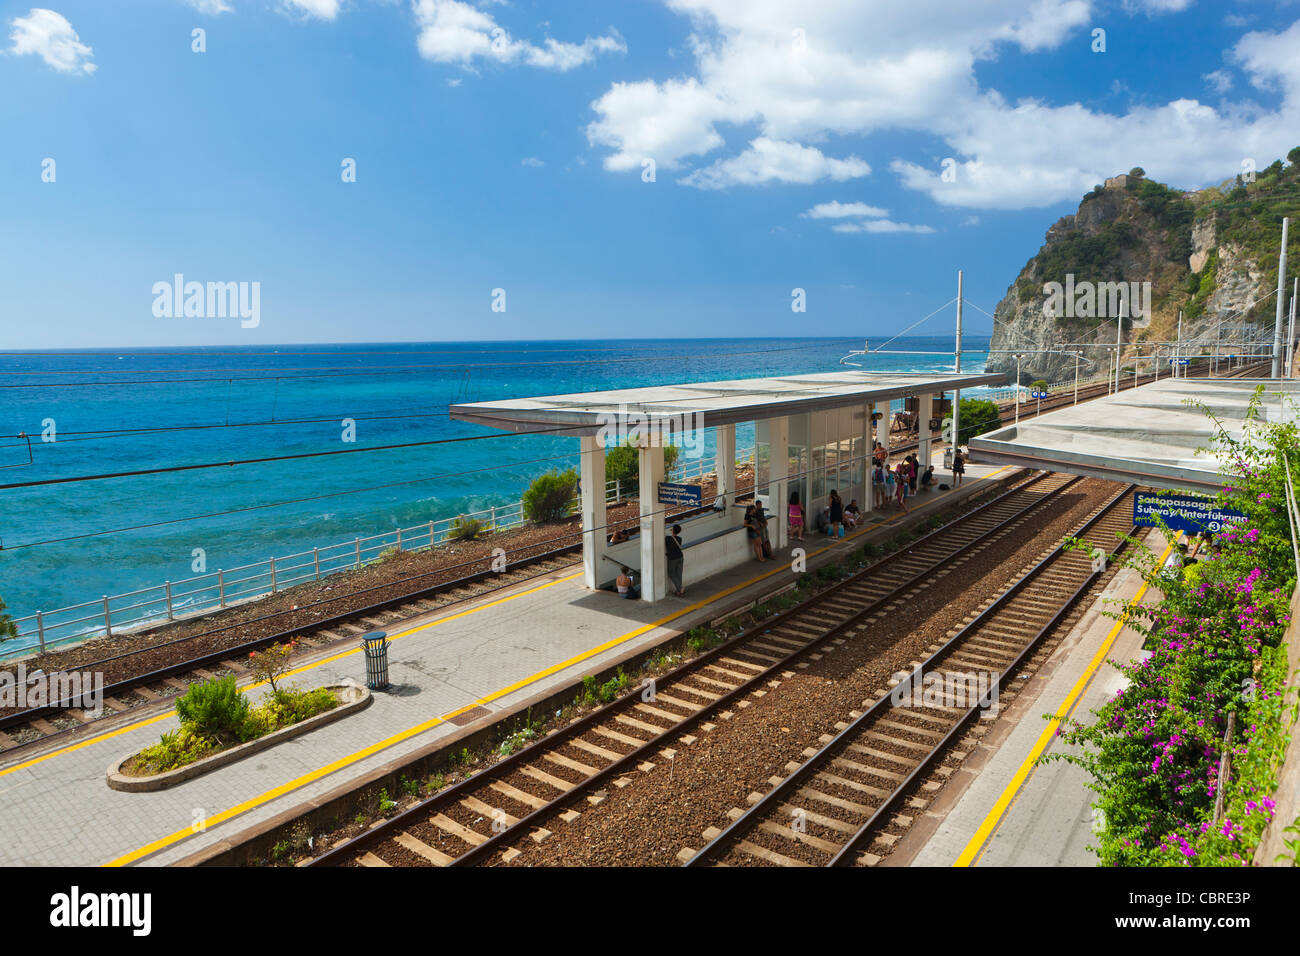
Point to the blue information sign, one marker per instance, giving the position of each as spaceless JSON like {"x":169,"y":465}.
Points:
{"x":1037,"y":394}
{"x":1182,"y":512}
{"x":675,"y":494}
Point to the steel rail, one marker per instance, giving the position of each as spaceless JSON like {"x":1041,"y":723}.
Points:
{"x":420,"y":812}
{"x":724,"y":840}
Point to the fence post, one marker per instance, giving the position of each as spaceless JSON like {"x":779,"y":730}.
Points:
{"x":494,"y":518}
{"x":358,"y":552}
{"x":431,"y":534}
{"x":170,"y":614}
{"x":399,"y":539}
{"x":40,"y":630}
{"x":108,"y":619}
{"x":221,"y":588}
{"x":618,"y":491}
{"x":272,"y":574}
{"x":315,"y":554}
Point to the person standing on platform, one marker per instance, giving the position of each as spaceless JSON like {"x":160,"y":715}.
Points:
{"x":676,"y":558}
{"x":958,"y":468}
{"x":751,"y":532}
{"x":878,"y":485}
{"x":760,"y":521}
{"x":901,"y":483}
{"x":837,"y":515}
{"x":795,"y":515}
{"x":913,"y":472}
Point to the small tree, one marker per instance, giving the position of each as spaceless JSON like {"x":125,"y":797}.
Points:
{"x":622,"y":463}
{"x":272,"y":664}
{"x":978,"y":415}
{"x":1293,"y":157}
{"x":8,"y":628}
{"x":1038,"y":385}
{"x":549,"y":496}
{"x":1137,"y":172}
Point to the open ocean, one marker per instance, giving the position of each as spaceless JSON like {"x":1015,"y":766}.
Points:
{"x":129,"y":409}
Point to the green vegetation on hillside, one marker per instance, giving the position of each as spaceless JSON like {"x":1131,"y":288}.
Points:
{"x":1246,"y":215}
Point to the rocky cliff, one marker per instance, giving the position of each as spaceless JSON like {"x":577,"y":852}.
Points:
{"x":1210,"y":254}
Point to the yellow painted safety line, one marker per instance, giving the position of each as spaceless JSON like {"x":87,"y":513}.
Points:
{"x":313,"y":775}
{"x":975,"y":848}
{"x":145,"y":722}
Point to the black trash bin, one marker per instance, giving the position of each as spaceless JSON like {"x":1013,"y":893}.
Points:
{"x":375,"y":644}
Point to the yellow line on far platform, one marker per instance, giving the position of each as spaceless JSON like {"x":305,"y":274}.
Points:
{"x":978,"y":843}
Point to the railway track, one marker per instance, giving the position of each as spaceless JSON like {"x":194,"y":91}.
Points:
{"x":483,"y":815}
{"x":831,"y":808}
{"x":33,"y":727}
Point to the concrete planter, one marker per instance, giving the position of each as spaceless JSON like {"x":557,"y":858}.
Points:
{"x":352,"y":698}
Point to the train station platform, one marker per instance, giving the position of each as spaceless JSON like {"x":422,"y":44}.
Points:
{"x":1002,"y":807}
{"x":452,"y":670}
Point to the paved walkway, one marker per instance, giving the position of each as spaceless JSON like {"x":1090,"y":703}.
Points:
{"x":55,"y":808}
{"x":1007,"y":810}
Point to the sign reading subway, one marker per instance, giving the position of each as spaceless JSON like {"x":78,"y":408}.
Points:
{"x":1188,"y":513}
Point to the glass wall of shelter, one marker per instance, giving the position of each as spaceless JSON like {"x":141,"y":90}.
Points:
{"x":826,"y":451}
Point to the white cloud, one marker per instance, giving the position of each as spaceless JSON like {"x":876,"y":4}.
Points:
{"x":321,"y":9}
{"x":879,"y":225}
{"x":1156,"y":7}
{"x":51,"y":37}
{"x":451,"y":31}
{"x":454,"y":81}
{"x":843,"y":210}
{"x":210,"y":7}
{"x":769,"y":160}
{"x":532,"y":161}
{"x":1220,"y":80}
{"x":800,"y":75}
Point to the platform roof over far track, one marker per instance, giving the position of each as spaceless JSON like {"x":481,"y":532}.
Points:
{"x":1153,"y":435}
{"x":717,"y":403}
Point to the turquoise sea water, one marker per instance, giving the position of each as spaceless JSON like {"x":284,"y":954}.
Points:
{"x":149,"y":408}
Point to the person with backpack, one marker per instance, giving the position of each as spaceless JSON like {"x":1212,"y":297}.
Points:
{"x":878,"y":485}
{"x":676,"y":558}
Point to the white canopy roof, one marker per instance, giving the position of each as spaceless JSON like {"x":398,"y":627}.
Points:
{"x":1158,"y":434}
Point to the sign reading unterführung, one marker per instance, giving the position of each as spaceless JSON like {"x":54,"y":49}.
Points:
{"x":1182,"y":512}
{"x":685,"y":495}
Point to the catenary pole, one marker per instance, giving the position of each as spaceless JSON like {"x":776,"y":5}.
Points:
{"x":1281,"y":289}
{"x":956,"y":394}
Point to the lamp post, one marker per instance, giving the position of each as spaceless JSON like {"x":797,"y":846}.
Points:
{"x":1076,"y":377}
{"x":1017,"y":388}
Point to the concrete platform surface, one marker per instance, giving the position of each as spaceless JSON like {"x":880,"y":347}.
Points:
{"x":494,"y":653}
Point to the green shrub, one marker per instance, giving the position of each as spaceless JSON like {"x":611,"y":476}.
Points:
{"x":550,"y":496}
{"x":215,"y":709}
{"x":7,"y":627}
{"x":978,"y":415}
{"x":465,"y":529}
{"x":622,"y":463}
{"x":614,"y":686}
{"x":175,"y":749}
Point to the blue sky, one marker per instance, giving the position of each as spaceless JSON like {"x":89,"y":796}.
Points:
{"x":502,"y":145}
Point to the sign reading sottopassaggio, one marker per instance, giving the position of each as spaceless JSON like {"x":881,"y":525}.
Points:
{"x":681,"y":495}
{"x":1188,"y":513}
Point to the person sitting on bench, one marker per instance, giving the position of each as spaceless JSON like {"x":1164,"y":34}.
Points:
{"x":625,"y":585}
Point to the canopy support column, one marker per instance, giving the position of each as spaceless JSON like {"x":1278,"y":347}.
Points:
{"x":654,"y":566}
{"x":725,"y":462}
{"x":778,"y":457}
{"x":594,"y":532}
{"x":924,"y":412}
{"x":868,"y":466}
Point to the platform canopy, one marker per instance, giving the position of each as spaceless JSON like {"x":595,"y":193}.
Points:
{"x":712,"y":403}
{"x":1155,"y":435}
